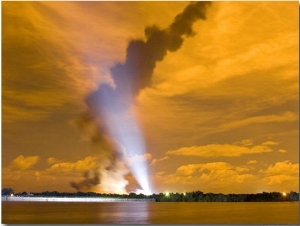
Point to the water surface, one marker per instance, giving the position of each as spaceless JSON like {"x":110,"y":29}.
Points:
{"x":151,"y":213}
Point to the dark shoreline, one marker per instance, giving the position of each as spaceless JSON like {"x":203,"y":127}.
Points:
{"x":72,"y":199}
{"x":194,"y":196}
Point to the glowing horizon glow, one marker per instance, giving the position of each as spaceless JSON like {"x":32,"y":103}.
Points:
{"x":284,"y":193}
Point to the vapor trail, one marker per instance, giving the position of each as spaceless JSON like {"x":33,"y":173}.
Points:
{"x":109,"y":107}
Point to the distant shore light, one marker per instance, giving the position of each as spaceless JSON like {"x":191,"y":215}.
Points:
{"x":283,"y":193}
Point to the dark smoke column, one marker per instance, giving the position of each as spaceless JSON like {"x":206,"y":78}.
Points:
{"x":111,"y":106}
{"x":142,"y":56}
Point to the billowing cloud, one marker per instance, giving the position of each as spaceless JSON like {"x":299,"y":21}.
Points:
{"x":216,"y":150}
{"x":212,"y":177}
{"x":282,"y":168}
{"x":23,"y":163}
{"x":232,"y":178}
{"x":71,"y":167}
{"x":60,"y":173}
{"x":284,"y":175}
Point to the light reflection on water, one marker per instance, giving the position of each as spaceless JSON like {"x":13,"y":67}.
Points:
{"x":126,"y":213}
{"x":150,"y":213}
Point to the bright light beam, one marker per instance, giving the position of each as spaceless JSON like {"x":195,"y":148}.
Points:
{"x":122,"y":125}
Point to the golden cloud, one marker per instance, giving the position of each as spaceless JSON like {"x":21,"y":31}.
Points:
{"x":224,"y":177}
{"x":215,"y":150}
{"x":282,"y":151}
{"x":73,"y":167}
{"x":287,"y":116}
{"x":281,"y":179}
{"x":270,"y":143}
{"x":22,"y":163}
{"x":64,"y":54}
{"x":20,"y":173}
{"x":49,"y":74}
{"x":52,"y":160}
{"x":221,"y":85}
{"x":212,"y":177}
{"x":252,"y":162}
{"x":284,"y":175}
{"x":154,"y":161}
{"x":282,"y":168}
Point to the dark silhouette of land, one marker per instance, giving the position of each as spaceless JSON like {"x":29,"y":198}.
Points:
{"x":195,"y":196}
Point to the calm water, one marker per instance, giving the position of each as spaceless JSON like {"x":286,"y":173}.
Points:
{"x":151,"y":213}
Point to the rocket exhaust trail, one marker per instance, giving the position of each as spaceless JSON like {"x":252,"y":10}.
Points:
{"x":109,"y":108}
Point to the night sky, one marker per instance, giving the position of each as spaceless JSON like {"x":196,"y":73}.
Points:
{"x":213,"y":97}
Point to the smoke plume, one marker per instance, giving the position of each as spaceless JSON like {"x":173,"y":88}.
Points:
{"x":108,"y":122}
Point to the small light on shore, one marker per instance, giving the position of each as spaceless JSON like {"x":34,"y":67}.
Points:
{"x":11,"y":195}
{"x":283,"y":193}
{"x":167,"y":194}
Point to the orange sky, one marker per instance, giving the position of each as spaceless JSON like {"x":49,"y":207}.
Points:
{"x":221,"y":114}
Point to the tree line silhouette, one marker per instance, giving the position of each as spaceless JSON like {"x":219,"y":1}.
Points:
{"x":195,"y":196}
{"x":198,"y":196}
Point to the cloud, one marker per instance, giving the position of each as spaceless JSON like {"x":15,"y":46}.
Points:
{"x":230,"y":178}
{"x":282,"y":168}
{"x":57,"y":175}
{"x":282,"y":174}
{"x":49,"y":74}
{"x":284,"y":117}
{"x":73,"y":167}
{"x":252,"y":162}
{"x":282,"y":151}
{"x":270,"y":143}
{"x":154,"y":161}
{"x":207,"y":177}
{"x":224,"y":88}
{"x":35,"y":63}
{"x":52,"y":160}
{"x":216,"y":150}
{"x":22,"y":163}
{"x":238,"y":77}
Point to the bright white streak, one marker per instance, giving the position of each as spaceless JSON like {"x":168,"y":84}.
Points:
{"x":123,"y":127}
